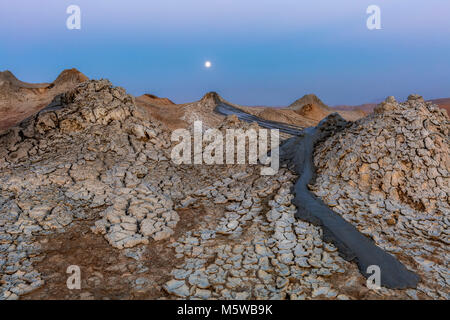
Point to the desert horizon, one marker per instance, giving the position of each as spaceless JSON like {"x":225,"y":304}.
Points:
{"x":308,"y":109}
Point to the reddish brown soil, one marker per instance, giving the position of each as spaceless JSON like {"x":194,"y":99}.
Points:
{"x":162,"y":109}
{"x":106,"y":272}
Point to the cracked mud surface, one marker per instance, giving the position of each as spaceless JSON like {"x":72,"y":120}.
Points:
{"x":91,"y":183}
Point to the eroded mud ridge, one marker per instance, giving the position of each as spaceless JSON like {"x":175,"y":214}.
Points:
{"x":298,"y":152}
{"x":226,"y":109}
{"x":94,"y":171}
{"x":388,"y":175}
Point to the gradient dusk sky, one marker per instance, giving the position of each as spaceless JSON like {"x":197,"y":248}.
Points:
{"x":263,"y":52}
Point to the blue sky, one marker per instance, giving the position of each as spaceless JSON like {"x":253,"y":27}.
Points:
{"x":265,"y":52}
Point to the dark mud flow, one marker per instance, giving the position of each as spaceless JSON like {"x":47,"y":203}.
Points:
{"x":352,"y":245}
{"x":226,"y":109}
{"x":298,"y":152}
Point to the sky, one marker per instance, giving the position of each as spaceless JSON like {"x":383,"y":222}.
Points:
{"x":262,"y":52}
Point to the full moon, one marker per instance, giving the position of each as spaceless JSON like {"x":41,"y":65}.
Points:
{"x":208,"y":64}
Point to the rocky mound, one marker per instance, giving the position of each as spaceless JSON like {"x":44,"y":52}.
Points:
{"x":367,"y":108}
{"x":163,"y":110}
{"x":203,"y":110}
{"x":19,"y":100}
{"x":9,"y":81}
{"x":286,"y":116}
{"x":311,"y":108}
{"x":307,"y":100}
{"x":88,"y":131}
{"x":388,"y":174}
{"x":151,"y":98}
{"x":69,"y":76}
{"x":401,"y":153}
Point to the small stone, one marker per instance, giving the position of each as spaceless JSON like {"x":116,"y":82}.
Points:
{"x":264,"y":276}
{"x":199,"y":279}
{"x":261,"y":250}
{"x":202,"y":293}
{"x":163,"y":234}
{"x":242,"y":295}
{"x":176,"y":287}
{"x":282,"y":282}
{"x":233,"y":225}
{"x":320,"y":291}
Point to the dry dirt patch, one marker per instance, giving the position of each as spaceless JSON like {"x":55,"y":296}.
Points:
{"x":107,"y":272}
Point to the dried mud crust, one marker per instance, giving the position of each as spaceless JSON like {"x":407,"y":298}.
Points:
{"x":269,"y":256}
{"x":91,"y":183}
{"x":107,"y":272}
{"x":388,"y":175}
{"x":95,"y":157}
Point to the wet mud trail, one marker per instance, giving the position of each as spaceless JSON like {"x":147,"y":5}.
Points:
{"x":226,"y":110}
{"x":297,"y":152}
